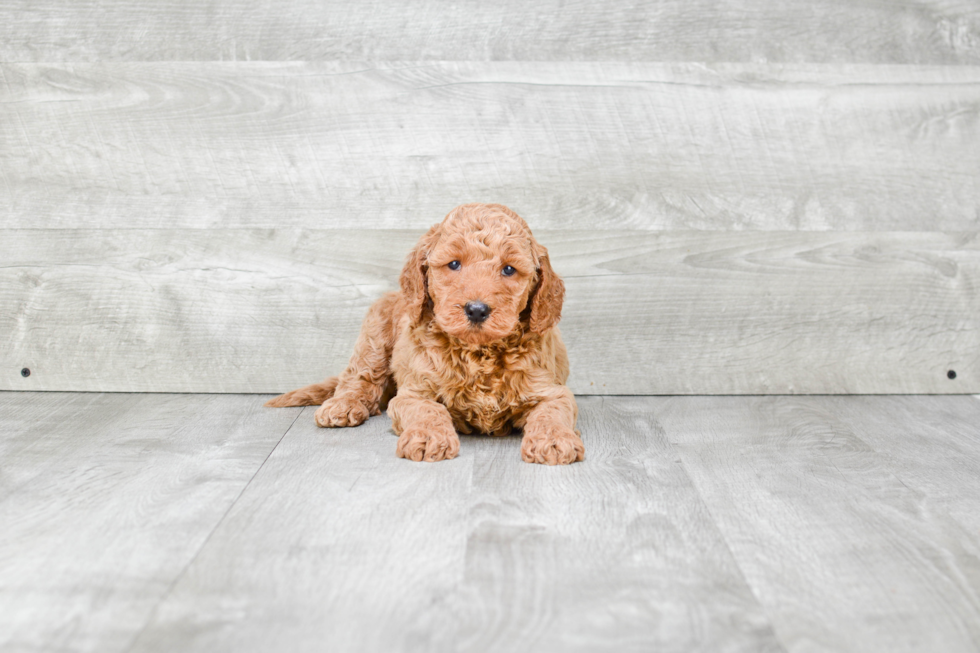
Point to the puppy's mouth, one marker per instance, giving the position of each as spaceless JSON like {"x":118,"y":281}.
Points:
{"x":477,"y":336}
{"x":474,"y":332}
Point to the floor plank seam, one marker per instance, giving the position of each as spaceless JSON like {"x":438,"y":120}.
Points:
{"x":728,"y":547}
{"x":178,"y":577}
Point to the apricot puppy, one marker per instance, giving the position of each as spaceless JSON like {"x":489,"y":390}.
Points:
{"x":468,"y":345}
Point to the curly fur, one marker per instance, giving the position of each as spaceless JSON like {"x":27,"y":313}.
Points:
{"x":451,"y":375}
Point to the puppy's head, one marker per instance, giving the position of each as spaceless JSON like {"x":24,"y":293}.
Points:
{"x":481,"y":272}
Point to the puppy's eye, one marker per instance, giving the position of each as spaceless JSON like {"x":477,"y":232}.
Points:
{"x":454,"y":265}
{"x":508,"y":271}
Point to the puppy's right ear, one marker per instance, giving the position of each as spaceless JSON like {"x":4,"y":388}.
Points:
{"x":413,"y":279}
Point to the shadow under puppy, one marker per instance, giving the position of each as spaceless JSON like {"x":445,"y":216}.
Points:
{"x":469,"y":344}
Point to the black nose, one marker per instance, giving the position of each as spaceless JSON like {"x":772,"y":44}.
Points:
{"x":477,"y":311}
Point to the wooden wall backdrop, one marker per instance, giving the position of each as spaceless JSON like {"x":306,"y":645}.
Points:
{"x":205,"y":197}
{"x":824,"y":31}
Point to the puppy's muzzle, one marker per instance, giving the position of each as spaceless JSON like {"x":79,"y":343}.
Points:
{"x":477,"y":312}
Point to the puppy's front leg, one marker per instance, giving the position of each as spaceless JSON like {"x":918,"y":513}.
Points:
{"x":549,"y":431}
{"x":425,"y":429}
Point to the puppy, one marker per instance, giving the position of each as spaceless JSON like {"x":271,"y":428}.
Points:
{"x":468,"y":345}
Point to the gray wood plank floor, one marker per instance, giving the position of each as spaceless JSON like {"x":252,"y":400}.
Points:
{"x":190,"y":522}
{"x":105,"y":499}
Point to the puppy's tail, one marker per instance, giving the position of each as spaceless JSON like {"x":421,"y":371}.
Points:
{"x":311,"y":395}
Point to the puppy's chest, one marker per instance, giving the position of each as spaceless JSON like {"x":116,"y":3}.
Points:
{"x":485,"y":393}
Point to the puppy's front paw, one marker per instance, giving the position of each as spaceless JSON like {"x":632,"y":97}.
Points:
{"x":429,"y":445}
{"x":552,"y":445}
{"x":341,"y":411}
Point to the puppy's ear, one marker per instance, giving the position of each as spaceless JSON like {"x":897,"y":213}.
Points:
{"x":413,"y":278}
{"x":548,"y":296}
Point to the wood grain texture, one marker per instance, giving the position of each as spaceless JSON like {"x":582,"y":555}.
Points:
{"x":645,"y":313}
{"x":104,"y":500}
{"x":694,"y":524}
{"x":931,"y":443}
{"x":928,"y":31}
{"x":841,"y":552}
{"x":568,"y":145}
{"x":367,"y":552}
{"x":339,"y":546}
{"x":616,"y":554}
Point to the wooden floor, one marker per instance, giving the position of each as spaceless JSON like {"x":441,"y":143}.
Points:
{"x":141,"y":522}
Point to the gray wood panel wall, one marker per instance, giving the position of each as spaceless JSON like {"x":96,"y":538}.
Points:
{"x":783,"y":198}
{"x":824,"y":31}
{"x":586,"y":145}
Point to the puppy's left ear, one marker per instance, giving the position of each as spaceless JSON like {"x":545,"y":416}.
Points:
{"x":413,"y":280}
{"x":548,"y":296}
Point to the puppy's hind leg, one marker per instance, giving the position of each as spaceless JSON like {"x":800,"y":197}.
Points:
{"x":361,"y":386}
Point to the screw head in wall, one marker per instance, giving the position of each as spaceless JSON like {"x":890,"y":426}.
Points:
{"x":26,"y":372}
